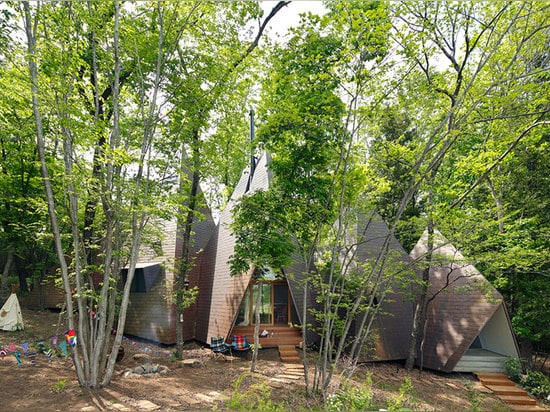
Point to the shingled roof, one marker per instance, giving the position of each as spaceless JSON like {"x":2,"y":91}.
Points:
{"x":392,"y":325}
{"x":220,"y":294}
{"x":462,"y":304}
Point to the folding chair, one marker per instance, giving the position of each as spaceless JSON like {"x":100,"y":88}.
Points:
{"x":219,"y":348}
{"x":240,"y":345}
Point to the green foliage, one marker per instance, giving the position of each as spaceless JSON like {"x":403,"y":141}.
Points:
{"x":253,"y":347}
{"x":403,"y":400}
{"x":175,"y":355}
{"x":351,"y":397}
{"x":474,"y":396}
{"x":259,"y":227}
{"x":251,"y":392}
{"x":537,"y":383}
{"x":514,"y":369}
{"x":59,"y":386}
{"x":187,"y":296}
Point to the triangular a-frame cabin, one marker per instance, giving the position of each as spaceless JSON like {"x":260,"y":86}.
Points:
{"x":392,"y":325}
{"x":152,"y":313}
{"x":224,"y":304}
{"x":468,"y":327}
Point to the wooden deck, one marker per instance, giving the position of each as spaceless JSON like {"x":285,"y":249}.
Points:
{"x":277,"y":335}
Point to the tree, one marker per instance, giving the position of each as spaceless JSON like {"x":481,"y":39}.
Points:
{"x":120,"y":170}
{"x":25,"y":246}
{"x":312,"y":120}
{"x":110,"y":94}
{"x":208,"y":84}
{"x":472,"y":39}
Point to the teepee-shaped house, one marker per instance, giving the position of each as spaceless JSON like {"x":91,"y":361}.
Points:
{"x":152,"y":312}
{"x":11,"y":318}
{"x":468,"y":328}
{"x":225,"y":303}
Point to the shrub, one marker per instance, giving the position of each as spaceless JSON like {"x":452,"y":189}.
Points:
{"x":251,"y":392}
{"x":474,"y":396}
{"x":59,"y":386}
{"x":537,"y":383}
{"x":398,"y":402}
{"x":350,"y":397}
{"x":514,"y":369}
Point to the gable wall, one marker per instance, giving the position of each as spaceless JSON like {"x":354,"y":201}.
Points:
{"x":150,"y":315}
{"x":497,"y":334}
{"x":153,"y":315}
{"x":455,"y":317}
{"x":221,"y":293}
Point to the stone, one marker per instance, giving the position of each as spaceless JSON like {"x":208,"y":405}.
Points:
{"x":190,"y":363}
{"x":145,"y":405}
{"x":142,"y":357}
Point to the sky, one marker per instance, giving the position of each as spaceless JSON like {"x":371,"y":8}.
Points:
{"x":289,"y":15}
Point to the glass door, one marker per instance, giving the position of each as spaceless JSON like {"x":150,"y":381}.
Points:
{"x":280,"y":304}
{"x":274,"y":307}
{"x":266,"y":306}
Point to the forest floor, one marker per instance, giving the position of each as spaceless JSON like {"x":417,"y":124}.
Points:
{"x":50,"y":383}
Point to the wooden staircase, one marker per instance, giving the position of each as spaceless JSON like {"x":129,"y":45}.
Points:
{"x":289,"y":354}
{"x":277,"y":335}
{"x":517,"y":398}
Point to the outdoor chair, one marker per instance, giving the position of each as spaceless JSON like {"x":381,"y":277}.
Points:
{"x":240,"y":345}
{"x":219,"y":348}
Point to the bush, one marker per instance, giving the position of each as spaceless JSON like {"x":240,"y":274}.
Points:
{"x":401,"y":401}
{"x":350,"y":397}
{"x":251,"y":392}
{"x":514,"y":369}
{"x":537,"y":383}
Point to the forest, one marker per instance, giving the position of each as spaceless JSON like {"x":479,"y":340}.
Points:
{"x":115,"y":115}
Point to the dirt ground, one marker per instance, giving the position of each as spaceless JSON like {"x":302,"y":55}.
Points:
{"x":50,"y":383}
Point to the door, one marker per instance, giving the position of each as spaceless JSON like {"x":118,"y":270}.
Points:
{"x":274,"y":307}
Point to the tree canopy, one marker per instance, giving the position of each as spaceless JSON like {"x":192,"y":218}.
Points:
{"x":115,"y":116}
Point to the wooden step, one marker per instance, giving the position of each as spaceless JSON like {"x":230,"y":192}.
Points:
{"x":506,"y":390}
{"x":289,"y":354}
{"x":497,"y":381}
{"x":527,"y":408}
{"x":481,"y":376}
{"x":290,"y":358}
{"x":518,"y":400}
{"x":277,"y":335}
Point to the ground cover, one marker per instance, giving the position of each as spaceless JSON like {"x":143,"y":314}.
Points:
{"x":43,"y":383}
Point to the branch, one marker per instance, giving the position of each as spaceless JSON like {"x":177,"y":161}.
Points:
{"x":256,"y":41}
{"x":501,"y":157}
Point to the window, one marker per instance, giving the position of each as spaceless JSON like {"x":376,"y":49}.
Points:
{"x":144,"y":277}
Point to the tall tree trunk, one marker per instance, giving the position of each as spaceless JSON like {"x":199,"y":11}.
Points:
{"x":6,"y":271}
{"x":416,"y":344}
{"x":182,"y":282}
{"x":257,"y":321}
{"x":30,"y":29}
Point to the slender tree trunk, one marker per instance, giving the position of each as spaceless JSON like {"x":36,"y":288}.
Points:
{"x":185,"y":261}
{"x":257,"y":321}
{"x":30,"y":29}
{"x":304,"y":336}
{"x":6,"y":270}
{"x":416,"y":344}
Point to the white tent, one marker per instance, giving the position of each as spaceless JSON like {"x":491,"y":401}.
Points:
{"x":10,"y":315}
